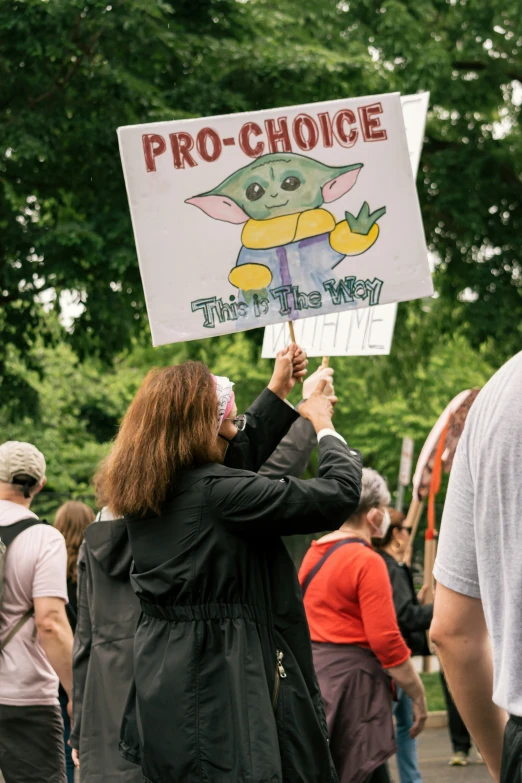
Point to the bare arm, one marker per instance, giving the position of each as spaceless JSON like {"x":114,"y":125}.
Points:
{"x":407,"y":678}
{"x":56,"y":638}
{"x":460,"y":635}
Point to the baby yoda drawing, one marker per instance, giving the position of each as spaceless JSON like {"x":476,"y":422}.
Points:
{"x":288,"y":238}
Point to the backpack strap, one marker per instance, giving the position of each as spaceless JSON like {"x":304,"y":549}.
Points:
{"x":10,"y":532}
{"x":16,"y":627}
{"x":7,"y":536}
{"x":317,"y":567}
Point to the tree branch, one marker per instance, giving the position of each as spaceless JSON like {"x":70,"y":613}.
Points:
{"x":478,"y":65}
{"x":61,"y":83}
{"x":469,"y":65}
{"x":7,"y":299}
{"x":433,"y":145}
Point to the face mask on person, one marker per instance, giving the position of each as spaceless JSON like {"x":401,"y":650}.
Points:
{"x":381,"y":530}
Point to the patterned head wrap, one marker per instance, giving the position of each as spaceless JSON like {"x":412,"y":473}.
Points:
{"x":225,"y":395}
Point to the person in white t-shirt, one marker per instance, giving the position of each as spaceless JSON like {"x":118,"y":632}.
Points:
{"x":35,"y":635}
{"x":477,"y":625}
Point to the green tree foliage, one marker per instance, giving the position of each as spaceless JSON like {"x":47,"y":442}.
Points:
{"x":72,"y":71}
{"x":82,"y":404}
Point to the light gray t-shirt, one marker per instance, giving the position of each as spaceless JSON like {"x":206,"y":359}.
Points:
{"x":480,"y":547}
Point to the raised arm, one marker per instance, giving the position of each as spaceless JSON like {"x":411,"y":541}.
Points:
{"x":252,"y":505}
{"x":269,"y":418}
{"x":291,"y":456}
{"x":268,"y":421}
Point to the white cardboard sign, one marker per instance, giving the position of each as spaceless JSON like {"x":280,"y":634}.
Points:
{"x":406,"y":462}
{"x":365,"y":331}
{"x":250,"y":219}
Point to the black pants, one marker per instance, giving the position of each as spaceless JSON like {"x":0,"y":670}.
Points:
{"x":31,"y":744}
{"x":512,"y":753}
{"x":459,"y":735}
{"x":379,"y":775}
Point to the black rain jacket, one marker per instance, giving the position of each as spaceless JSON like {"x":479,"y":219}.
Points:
{"x":108,"y":614}
{"x":225,"y":690}
{"x":414,"y":620}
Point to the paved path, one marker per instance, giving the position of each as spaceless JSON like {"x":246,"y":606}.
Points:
{"x":434,"y":754}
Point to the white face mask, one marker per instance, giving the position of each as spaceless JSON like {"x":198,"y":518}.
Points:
{"x":382,"y":529}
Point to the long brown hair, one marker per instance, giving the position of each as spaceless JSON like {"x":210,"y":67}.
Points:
{"x":71,"y":520}
{"x":171,"y":425}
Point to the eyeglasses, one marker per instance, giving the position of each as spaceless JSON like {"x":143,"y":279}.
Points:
{"x":239,"y":421}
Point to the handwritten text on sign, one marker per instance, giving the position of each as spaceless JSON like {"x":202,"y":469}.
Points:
{"x":362,"y":332}
{"x":304,"y":133}
{"x":371,"y":332}
{"x":252,"y":219}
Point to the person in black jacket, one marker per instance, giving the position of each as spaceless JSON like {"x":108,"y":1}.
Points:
{"x":224,"y":689}
{"x":414,"y":620}
{"x":108,"y":613}
{"x":71,"y":520}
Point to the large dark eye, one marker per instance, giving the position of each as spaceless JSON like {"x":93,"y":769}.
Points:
{"x":254,"y":191}
{"x":291,"y":183}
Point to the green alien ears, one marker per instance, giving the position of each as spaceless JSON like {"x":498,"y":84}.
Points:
{"x":219,"y":207}
{"x":224,"y":201}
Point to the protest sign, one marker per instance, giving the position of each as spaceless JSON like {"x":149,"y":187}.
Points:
{"x":365,"y":331}
{"x":406,"y":462}
{"x":251,"y":219}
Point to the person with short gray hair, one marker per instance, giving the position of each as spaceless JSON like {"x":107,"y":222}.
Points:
{"x":374,"y":492}
{"x":356,"y":641}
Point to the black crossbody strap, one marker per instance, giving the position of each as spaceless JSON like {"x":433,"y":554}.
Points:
{"x":16,"y":627}
{"x":10,"y":532}
{"x":317,"y":567}
{"x":7,"y":536}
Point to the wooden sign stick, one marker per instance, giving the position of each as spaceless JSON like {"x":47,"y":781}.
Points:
{"x":430,"y":553}
{"x":325,"y":362}
{"x":412,"y":521}
{"x":292,"y":338}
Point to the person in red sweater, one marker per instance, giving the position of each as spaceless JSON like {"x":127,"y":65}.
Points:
{"x":357,"y":646}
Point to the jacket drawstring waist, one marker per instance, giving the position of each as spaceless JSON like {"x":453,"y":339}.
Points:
{"x":193,"y":612}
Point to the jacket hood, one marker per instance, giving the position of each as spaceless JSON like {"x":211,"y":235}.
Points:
{"x":109,"y":545}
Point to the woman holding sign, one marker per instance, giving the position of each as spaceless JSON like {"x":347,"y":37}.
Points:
{"x":224,"y":682}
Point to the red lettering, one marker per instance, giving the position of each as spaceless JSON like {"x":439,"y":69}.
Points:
{"x":153,"y":145}
{"x":326,"y":128}
{"x":208,"y":135}
{"x":277,"y":132}
{"x":251,"y":129}
{"x":181,"y":144}
{"x":370,"y":123}
{"x":308,"y":140}
{"x":346,"y":136}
